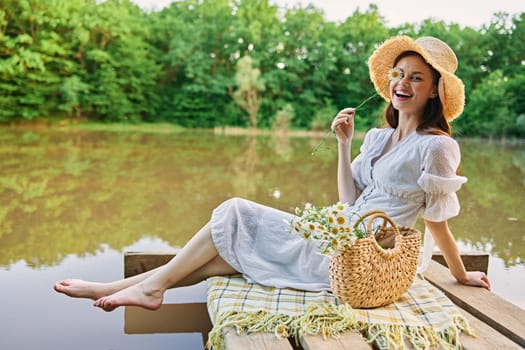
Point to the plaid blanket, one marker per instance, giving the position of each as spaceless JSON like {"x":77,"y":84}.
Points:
{"x":423,"y":317}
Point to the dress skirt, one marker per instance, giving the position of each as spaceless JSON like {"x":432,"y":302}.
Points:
{"x":256,"y":241}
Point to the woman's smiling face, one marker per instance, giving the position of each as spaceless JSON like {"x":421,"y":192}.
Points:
{"x":415,"y":86}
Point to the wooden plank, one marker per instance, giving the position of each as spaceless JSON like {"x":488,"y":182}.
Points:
{"x":347,"y":341}
{"x":139,"y":262}
{"x":496,"y":312}
{"x":170,"y":318}
{"x":472,"y":261}
{"x":256,"y":341}
{"x":487,"y":338}
{"x":498,"y":323}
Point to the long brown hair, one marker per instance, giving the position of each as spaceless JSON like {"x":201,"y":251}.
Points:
{"x":433,"y":121}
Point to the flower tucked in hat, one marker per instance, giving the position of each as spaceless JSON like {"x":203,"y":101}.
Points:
{"x":395,"y":74}
{"x":436,"y":53}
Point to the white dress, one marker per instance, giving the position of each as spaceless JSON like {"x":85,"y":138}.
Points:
{"x":417,"y":176}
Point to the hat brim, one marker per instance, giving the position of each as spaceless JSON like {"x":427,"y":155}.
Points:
{"x":451,"y":92}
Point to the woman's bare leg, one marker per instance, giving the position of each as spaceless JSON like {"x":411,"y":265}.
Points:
{"x":77,"y":288}
{"x":196,"y":257}
{"x":215,"y":267}
{"x":94,"y":290}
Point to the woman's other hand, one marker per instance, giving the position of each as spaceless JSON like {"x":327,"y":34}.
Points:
{"x":477,"y":279}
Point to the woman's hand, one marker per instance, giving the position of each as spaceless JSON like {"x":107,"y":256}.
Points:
{"x":477,"y":279}
{"x":343,"y":125}
{"x":447,"y":245}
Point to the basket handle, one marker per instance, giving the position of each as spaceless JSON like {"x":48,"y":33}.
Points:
{"x":377,"y":214}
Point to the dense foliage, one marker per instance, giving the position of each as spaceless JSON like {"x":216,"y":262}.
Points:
{"x":111,"y":61}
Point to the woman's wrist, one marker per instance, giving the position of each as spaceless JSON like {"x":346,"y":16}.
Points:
{"x":344,"y":144}
{"x":462,"y":276}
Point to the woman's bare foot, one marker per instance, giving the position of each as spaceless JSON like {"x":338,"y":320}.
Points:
{"x":83,"y":289}
{"x":136,"y":295}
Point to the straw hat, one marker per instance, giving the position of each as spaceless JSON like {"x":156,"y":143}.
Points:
{"x":437,"y":53}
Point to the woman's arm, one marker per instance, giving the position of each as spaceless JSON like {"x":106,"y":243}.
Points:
{"x":343,"y":127}
{"x":449,"y":249}
{"x":345,"y":181}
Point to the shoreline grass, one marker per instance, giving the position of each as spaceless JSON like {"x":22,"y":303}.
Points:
{"x":167,"y":128}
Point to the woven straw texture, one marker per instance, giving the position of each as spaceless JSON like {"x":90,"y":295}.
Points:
{"x":436,"y":53}
{"x":367,"y":275}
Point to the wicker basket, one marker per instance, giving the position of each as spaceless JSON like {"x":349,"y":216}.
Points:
{"x":367,"y":275}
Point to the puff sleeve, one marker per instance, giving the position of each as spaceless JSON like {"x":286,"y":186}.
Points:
{"x":439,"y":180}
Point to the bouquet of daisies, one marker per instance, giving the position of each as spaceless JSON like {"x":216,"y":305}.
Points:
{"x":353,"y":248}
{"x":332,"y":226}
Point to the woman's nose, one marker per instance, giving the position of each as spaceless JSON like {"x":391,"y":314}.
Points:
{"x":403,"y":80}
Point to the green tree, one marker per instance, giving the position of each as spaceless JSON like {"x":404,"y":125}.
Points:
{"x":34,"y":56}
{"x":323,"y":117}
{"x":360,"y":34}
{"x":516,"y":73}
{"x":75,"y":57}
{"x":199,"y":47}
{"x":250,"y":85}
{"x":487,"y":113}
{"x":306,"y":60}
{"x":113,"y":62}
{"x":497,"y":36}
{"x":119,"y":64}
{"x":72,"y":91}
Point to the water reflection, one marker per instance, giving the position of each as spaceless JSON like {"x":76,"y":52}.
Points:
{"x":493,"y":200}
{"x":68,"y":193}
{"x":80,"y":190}
{"x":35,"y":317}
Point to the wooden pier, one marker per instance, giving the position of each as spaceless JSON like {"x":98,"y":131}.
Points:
{"x":498,"y":323}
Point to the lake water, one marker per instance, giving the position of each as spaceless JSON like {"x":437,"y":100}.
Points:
{"x":72,"y":202}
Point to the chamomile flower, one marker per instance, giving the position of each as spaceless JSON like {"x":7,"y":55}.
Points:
{"x":395,"y":74}
{"x":331,"y":225}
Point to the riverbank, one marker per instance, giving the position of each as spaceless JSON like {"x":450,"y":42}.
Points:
{"x":166,"y":128}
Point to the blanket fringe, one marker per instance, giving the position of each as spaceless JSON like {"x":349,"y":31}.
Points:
{"x":330,"y":320}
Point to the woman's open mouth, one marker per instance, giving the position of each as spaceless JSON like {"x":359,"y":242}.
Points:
{"x":402,"y":95}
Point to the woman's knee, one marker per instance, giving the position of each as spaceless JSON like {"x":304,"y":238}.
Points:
{"x":218,"y":267}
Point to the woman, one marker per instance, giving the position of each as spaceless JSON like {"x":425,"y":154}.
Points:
{"x":406,"y":169}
